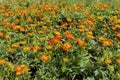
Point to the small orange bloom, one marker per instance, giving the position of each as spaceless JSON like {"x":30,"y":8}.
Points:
{"x":49,"y":47}
{"x":108,"y":61}
{"x":40,"y":31}
{"x":44,"y":57}
{"x":16,"y":20}
{"x":27,"y":48}
{"x":69,"y":20}
{"x":55,"y":40}
{"x":3,"y":61}
{"x":29,"y":20}
{"x":65,"y":59}
{"x":101,"y":38}
{"x":57,"y":33}
{"x":117,"y":21}
{"x":7,"y":37}
{"x":90,"y":28}
{"x":82,"y":28}
{"x":21,"y":69}
{"x":15,"y":45}
{"x":107,"y":43}
{"x":1,"y":34}
{"x":89,"y":35}
{"x":88,"y":22}
{"x":80,"y":42}
{"x":30,"y":34}
{"x":118,"y":59}
{"x":36,"y":48}
{"x":64,"y":25}
{"x":118,"y":34}
{"x":22,"y":42}
{"x":66,"y":46}
{"x":69,"y":35}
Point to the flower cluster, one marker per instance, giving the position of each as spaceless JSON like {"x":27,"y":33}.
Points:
{"x":59,"y":41}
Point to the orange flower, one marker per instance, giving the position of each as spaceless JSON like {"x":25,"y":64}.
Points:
{"x":21,"y":69}
{"x":7,"y":37}
{"x":118,"y":43}
{"x":57,"y":33}
{"x":88,"y":22}
{"x":82,"y":28}
{"x":66,"y":46}
{"x":64,"y":25}
{"x":69,"y":20}
{"x":117,"y":21}
{"x":65,"y":59}
{"x":55,"y":40}
{"x":22,"y":42}
{"x":80,"y":42}
{"x":118,"y":34}
{"x":108,"y":61}
{"x":15,"y":45}
{"x":40,"y":32}
{"x":29,"y":20}
{"x":44,"y":57}
{"x":118,"y":59}
{"x":107,"y":43}
{"x":36,"y":48}
{"x":100,"y":18}
{"x":69,"y":35}
{"x":89,"y":35}
{"x":90,"y":28}
{"x":116,"y":27}
{"x":101,"y":38}
{"x":1,"y":34}
{"x":30,"y":34}
{"x":22,"y":29}
{"x":3,"y":61}
{"x":27,"y":48}
{"x":113,"y":18}
{"x":49,"y":47}
{"x":16,"y":20}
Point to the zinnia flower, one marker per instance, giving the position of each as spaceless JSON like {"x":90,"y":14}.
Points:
{"x":69,"y":35}
{"x":21,"y":69}
{"x":55,"y":40}
{"x":44,"y":57}
{"x":107,"y":43}
{"x":118,"y":34}
{"x":66,"y":46}
{"x":3,"y":61}
{"x":36,"y":48}
{"x":118,"y":59}
{"x":80,"y":42}
{"x":108,"y":61}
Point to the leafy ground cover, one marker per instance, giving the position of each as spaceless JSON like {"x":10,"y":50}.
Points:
{"x":60,"y":40}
